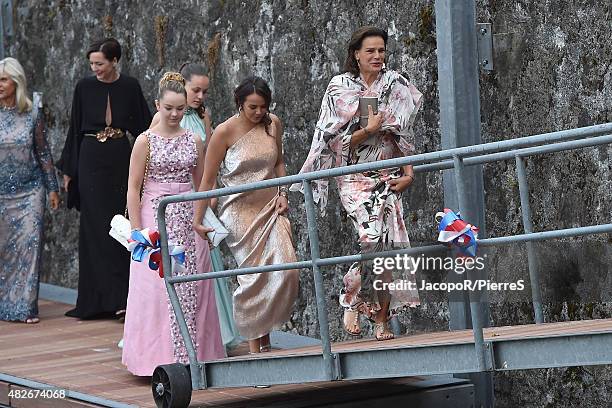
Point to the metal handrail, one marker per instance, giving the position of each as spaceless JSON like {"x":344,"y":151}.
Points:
{"x":456,"y":159}
{"x":467,"y":151}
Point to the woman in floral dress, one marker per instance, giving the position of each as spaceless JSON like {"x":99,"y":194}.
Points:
{"x":166,"y":160}
{"x":372,"y":199}
{"x":197,"y":119}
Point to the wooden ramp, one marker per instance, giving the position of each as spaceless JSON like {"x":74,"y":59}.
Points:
{"x":82,"y":357}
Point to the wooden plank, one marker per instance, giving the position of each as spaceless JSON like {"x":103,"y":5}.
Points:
{"x":4,"y":390}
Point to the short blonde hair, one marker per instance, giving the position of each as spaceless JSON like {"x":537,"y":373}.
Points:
{"x":13,"y":68}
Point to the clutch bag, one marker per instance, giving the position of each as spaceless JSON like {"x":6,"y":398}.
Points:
{"x":211,"y":221}
{"x":121,"y":229}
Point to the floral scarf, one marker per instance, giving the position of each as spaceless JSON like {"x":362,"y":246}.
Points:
{"x":398,"y":100}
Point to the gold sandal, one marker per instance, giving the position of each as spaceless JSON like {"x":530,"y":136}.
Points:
{"x":382,"y":332}
{"x":351,"y":320}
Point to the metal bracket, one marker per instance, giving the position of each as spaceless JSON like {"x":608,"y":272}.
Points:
{"x":484,"y":35}
{"x":337,"y":366}
{"x":489,"y":356}
{"x":202,"y":384}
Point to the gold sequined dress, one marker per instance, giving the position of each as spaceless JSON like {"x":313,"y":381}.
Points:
{"x":258,"y":235}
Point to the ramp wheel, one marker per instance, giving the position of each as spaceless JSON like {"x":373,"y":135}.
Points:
{"x":171,"y":386}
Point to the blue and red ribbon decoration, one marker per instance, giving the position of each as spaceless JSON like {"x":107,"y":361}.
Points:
{"x":145,"y":244}
{"x":452,"y":230}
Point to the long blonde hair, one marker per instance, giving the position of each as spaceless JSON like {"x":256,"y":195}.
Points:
{"x":13,"y":68}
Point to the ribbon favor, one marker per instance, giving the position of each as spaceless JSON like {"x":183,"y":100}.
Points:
{"x":452,"y":230}
{"x":145,"y":244}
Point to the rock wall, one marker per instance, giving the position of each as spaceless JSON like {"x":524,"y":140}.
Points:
{"x":552,"y":71}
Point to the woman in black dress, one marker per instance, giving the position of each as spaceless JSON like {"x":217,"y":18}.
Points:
{"x":95,"y":163}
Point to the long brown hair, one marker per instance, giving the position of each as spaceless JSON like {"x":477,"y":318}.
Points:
{"x":350,"y":64}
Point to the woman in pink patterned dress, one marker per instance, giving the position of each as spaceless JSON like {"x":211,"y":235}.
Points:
{"x":372,"y":199}
{"x":175,"y":157}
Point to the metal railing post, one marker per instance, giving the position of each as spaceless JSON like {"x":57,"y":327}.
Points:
{"x":197,"y":376}
{"x":313,"y":236}
{"x":475,"y":311}
{"x":534,"y":272}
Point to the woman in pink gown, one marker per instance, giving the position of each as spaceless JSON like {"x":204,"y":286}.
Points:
{"x":175,"y":158}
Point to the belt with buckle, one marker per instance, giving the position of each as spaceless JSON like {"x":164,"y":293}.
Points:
{"x":107,"y":133}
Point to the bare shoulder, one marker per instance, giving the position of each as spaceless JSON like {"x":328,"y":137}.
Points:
{"x":141,"y":142}
{"x":226,"y":127}
{"x":222,"y":132}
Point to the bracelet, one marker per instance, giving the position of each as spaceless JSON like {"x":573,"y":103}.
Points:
{"x":283,"y":192}
{"x":411,"y":176}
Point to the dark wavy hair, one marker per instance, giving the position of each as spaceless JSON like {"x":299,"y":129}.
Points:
{"x":189,"y":69}
{"x":350,"y":64}
{"x":109,"y":47}
{"x":254,"y":85}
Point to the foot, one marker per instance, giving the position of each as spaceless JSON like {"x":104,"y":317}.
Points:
{"x":264,"y":344}
{"x":254,"y":346}
{"x":350,"y":321}
{"x":32,"y":320}
{"x":382,"y":332}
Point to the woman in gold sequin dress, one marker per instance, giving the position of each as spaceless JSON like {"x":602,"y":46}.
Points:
{"x":247,"y":148}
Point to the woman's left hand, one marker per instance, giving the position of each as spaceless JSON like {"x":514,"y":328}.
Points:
{"x":54,"y":200}
{"x":400,"y":184}
{"x":282,"y":205}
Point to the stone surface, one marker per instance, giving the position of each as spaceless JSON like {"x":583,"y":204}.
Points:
{"x":552,"y":71}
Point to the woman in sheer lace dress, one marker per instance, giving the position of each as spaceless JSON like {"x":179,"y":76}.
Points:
{"x":26,"y":176}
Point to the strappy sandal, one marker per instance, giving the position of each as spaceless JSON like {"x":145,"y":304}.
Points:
{"x":351,"y":320}
{"x":32,"y":320}
{"x":382,"y":332}
{"x":265,"y":348}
